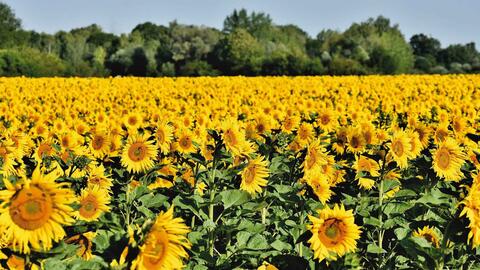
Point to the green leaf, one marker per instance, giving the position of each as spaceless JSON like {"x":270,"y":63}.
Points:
{"x":257,"y":242}
{"x":149,"y":200}
{"x":282,"y":189}
{"x":397,"y":208}
{"x":401,"y":233}
{"x":280,"y":245}
{"x":234,"y":197}
{"x":242,"y":238}
{"x":374,"y":248}
{"x":389,"y":185}
{"x":372,"y":221}
{"x":209,"y":224}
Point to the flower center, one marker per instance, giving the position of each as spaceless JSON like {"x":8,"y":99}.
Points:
{"x":355,"y":142}
{"x":443,"y":157}
{"x":160,"y":136}
{"x":89,"y":206}
{"x":325,"y":119}
{"x":398,"y":148}
{"x":331,"y":232}
{"x":156,"y":249}
{"x":31,"y":208}
{"x":132,"y":120}
{"x":44,"y":150}
{"x":250,"y":174}
{"x":137,"y":151}
{"x":185,"y":142}
{"x":97,"y":142}
{"x":230,"y":137}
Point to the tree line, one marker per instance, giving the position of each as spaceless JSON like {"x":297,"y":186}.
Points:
{"x":250,"y":44}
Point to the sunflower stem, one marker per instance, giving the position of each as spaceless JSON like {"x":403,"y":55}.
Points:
{"x":381,"y":232}
{"x":27,"y":262}
{"x":300,"y":248}
{"x":210,"y":210}
{"x":264,"y":215}
{"x":210,"y":215}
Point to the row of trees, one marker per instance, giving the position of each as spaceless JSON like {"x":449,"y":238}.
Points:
{"x":248,"y":44}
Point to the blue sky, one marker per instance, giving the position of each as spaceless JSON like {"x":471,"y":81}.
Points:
{"x":451,"y":21}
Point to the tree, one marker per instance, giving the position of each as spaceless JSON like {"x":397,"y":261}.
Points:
{"x":9,"y":24}
{"x":423,"y":45}
{"x":240,"y":53}
{"x":257,"y":24}
{"x":458,"y":53}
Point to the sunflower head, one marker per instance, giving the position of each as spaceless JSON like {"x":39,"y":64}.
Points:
{"x":448,"y":159}
{"x":165,"y":244}
{"x":334,"y":233}
{"x":139,"y":153}
{"x":93,"y":202}
{"x":35,"y":210}
{"x":429,"y":234}
{"x":255,"y":175}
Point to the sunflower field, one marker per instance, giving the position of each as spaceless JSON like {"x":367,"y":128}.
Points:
{"x":373,"y":172}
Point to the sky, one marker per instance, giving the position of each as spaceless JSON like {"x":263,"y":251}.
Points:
{"x":450,"y":21}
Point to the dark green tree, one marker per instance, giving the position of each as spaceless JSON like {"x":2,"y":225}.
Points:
{"x":9,"y":25}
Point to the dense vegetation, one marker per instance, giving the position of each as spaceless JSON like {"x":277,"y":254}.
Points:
{"x":249,"y":44}
{"x":233,"y":173}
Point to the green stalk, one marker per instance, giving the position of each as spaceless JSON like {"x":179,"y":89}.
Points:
{"x":264,"y":215}
{"x":210,"y":210}
{"x":381,"y":231}
{"x":380,"y":214}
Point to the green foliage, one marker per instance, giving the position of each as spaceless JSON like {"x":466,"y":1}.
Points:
{"x":9,"y":25}
{"x":29,"y":62}
{"x":241,"y":53}
{"x":250,"y":44}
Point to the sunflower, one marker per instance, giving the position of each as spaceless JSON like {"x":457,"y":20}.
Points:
{"x":356,"y":141}
{"x":139,"y":153}
{"x":448,"y":159}
{"x":44,"y":149}
{"x":415,"y":144}
{"x":161,"y":183}
{"x":290,"y":123}
{"x":340,"y":140}
{"x":471,"y":209}
{"x":326,"y":120}
{"x":262,"y":124}
{"x":132,"y":121}
{"x":267,"y":266}
{"x":334,"y":233}
{"x":98,"y":178}
{"x":316,"y":156}
{"x":320,"y":185}
{"x":93,"y":203}
{"x":99,"y":143}
{"x":254,"y":175}
{"x":32,"y":213}
{"x":429,"y":234}
{"x":84,"y":242}
{"x":7,"y":158}
{"x":459,"y":125}
{"x":365,"y":183}
{"x":366,"y":164}
{"x":400,"y":149}
{"x":165,"y":244}
{"x":234,"y":139}
{"x":185,"y":142}
{"x":441,"y":133}
{"x":305,"y":133}
{"x":20,"y":143}
{"x":164,"y":136}
{"x":424,"y":133}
